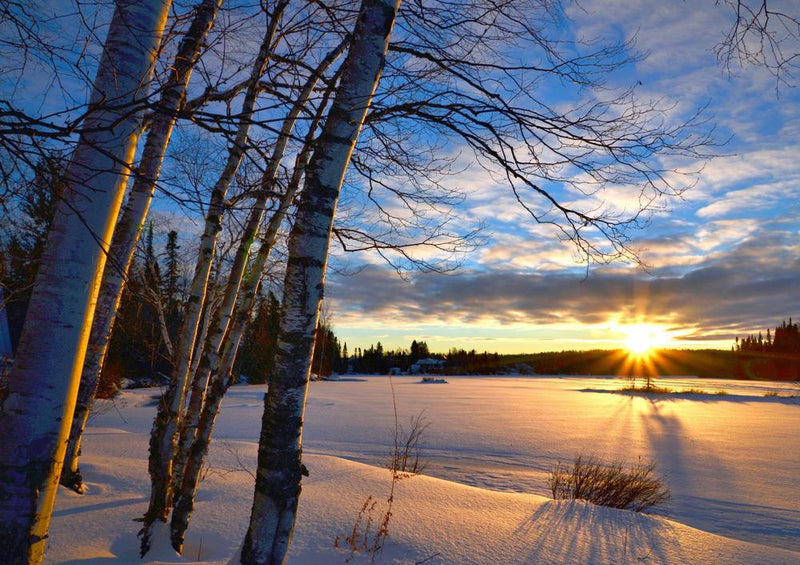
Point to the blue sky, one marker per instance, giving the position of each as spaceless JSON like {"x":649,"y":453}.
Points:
{"x":721,"y":261}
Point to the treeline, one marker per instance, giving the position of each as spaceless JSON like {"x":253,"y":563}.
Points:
{"x":703,"y":363}
{"x":785,"y":339}
{"x":377,"y":361}
{"x":419,"y":359}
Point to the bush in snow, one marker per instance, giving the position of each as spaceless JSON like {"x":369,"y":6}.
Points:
{"x":636,"y":488}
{"x":371,"y":526}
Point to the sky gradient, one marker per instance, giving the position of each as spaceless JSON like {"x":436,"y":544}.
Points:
{"x":722,"y":261}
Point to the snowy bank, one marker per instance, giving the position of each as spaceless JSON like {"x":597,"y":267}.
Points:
{"x":439,"y":520}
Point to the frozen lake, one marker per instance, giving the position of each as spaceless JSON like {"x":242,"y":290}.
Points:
{"x":732,"y":462}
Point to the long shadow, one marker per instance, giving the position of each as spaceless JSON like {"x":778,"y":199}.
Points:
{"x":700,"y":397}
{"x":767,"y":525}
{"x":574,"y":531}
{"x":100,"y":506}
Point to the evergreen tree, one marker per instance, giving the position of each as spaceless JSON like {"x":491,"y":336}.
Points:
{"x":257,"y":353}
{"x":171,"y":278}
{"x":171,"y":267}
{"x":25,"y":237}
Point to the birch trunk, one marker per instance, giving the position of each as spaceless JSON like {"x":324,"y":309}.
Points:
{"x":129,"y":228}
{"x":36,"y":415}
{"x":220,"y":376}
{"x":163,"y":438}
{"x":210,"y":360}
{"x":280,"y":469}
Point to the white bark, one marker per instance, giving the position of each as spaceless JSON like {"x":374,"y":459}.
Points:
{"x":280,"y":468}
{"x":218,"y":378}
{"x":210,"y":360}
{"x":164,"y":436}
{"x":36,"y":416}
{"x":129,"y":229}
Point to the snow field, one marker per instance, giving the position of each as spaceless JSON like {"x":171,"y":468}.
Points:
{"x":728,"y":462}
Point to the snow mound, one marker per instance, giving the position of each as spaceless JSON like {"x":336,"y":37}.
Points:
{"x":433,"y":519}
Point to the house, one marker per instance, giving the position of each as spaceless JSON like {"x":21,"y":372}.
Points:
{"x":426,"y":365}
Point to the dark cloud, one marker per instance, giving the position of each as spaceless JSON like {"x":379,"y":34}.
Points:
{"x":752,"y":286}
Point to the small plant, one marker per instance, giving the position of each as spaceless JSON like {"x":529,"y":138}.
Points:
{"x":362,"y":537}
{"x":652,"y":389}
{"x":636,"y":488}
{"x":371,"y":529}
{"x":405,"y":458}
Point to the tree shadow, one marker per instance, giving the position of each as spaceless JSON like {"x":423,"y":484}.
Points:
{"x":99,"y":506}
{"x":700,"y":397}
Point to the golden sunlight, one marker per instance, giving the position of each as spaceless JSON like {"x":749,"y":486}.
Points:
{"x":642,"y":338}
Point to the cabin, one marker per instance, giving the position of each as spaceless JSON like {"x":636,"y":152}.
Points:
{"x":425,"y":365}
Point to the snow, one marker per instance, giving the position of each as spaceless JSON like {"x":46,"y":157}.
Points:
{"x":731,"y":462}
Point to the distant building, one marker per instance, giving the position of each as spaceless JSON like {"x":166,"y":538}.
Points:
{"x":425,"y":365}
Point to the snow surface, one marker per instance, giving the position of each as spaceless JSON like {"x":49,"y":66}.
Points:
{"x":732,"y":463}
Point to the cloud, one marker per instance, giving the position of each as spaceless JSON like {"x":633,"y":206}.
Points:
{"x":752,"y":286}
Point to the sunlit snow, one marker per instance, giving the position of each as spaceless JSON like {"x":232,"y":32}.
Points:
{"x":731,"y":462}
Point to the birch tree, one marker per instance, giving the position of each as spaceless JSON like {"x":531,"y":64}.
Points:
{"x":280,"y":467}
{"x":164,"y":435}
{"x":218,"y":374}
{"x":36,"y":415}
{"x":129,"y":228}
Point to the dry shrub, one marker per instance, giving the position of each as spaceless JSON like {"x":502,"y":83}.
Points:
{"x":636,"y":488}
{"x":371,"y":527}
{"x":405,"y":457}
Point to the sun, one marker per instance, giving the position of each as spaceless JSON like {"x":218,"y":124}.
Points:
{"x":642,"y":339}
{"x":638,"y":344}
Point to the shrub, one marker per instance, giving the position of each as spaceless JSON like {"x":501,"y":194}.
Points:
{"x":405,"y":457}
{"x":371,"y":526}
{"x":636,"y":488}
{"x":652,"y":389}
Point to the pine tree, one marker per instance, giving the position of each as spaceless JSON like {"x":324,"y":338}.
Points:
{"x":256,"y":357}
{"x":27,"y":235}
{"x":171,"y":282}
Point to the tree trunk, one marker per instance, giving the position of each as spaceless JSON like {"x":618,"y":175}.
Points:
{"x":210,"y":359}
{"x":280,"y":468}
{"x":164,"y":435}
{"x":129,"y":228}
{"x":220,"y":376}
{"x":36,"y":415}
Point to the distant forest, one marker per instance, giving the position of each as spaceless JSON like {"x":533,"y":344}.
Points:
{"x":774,"y":357}
{"x":785,"y":339}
